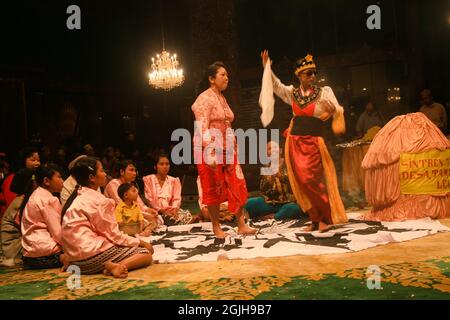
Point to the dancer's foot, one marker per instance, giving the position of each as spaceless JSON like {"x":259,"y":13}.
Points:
{"x":246,"y":230}
{"x":313,"y":227}
{"x":116,"y":269}
{"x":323,"y":227}
{"x":218,"y":232}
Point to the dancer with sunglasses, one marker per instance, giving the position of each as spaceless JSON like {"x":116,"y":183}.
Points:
{"x":311,"y":171}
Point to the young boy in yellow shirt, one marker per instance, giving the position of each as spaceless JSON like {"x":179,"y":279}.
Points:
{"x":128,"y":214}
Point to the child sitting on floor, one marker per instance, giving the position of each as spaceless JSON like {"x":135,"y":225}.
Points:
{"x":128,"y":213}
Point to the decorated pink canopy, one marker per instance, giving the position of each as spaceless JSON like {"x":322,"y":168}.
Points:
{"x":411,"y":133}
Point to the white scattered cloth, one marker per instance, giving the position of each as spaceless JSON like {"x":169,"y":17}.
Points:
{"x":195,"y":242}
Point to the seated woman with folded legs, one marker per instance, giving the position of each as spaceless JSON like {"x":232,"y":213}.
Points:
{"x":164,"y":193}
{"x":277,"y":201}
{"x":90,"y":234}
{"x":11,"y":237}
{"x":40,"y":214}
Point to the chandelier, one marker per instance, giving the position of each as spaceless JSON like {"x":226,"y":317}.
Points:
{"x":165,"y":74}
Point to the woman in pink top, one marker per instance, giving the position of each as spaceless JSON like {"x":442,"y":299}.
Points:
{"x":162,"y":190}
{"x":128,"y":173}
{"x":90,"y":234}
{"x":40,"y":214}
{"x":221,"y":180}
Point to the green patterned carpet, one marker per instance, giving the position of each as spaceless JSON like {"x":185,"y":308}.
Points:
{"x":429,"y":279}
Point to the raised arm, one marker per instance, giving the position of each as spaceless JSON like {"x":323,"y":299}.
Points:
{"x":281,"y":90}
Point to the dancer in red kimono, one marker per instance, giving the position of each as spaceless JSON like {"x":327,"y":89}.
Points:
{"x":310,"y":168}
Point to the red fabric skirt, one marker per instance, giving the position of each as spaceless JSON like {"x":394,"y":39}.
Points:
{"x":306,"y":163}
{"x":224,"y":183}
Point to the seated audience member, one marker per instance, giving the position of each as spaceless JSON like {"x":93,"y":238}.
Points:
{"x":370,"y":118}
{"x":90,"y":234}
{"x":128,"y":173}
{"x":28,"y":158}
{"x":4,"y":172}
{"x":109,"y":160}
{"x":164,"y":193}
{"x":433,"y":110}
{"x":89,"y":150}
{"x":40,"y":215}
{"x":70,"y":183}
{"x":11,"y":237}
{"x":129,"y":215}
{"x":277,"y":200}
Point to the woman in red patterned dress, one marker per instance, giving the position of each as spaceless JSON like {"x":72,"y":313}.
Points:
{"x":221,"y":179}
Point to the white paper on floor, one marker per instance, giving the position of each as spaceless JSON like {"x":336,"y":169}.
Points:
{"x":195,"y":242}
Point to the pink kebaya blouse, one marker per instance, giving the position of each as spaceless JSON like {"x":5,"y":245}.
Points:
{"x":166,"y":197}
{"x":41,"y":225}
{"x":213,"y":115}
{"x":89,"y":226}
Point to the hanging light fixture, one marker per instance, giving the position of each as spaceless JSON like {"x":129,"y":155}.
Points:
{"x":165,"y":72}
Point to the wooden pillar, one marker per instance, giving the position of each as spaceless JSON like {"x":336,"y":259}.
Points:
{"x":415,"y":49}
{"x":214,"y":38}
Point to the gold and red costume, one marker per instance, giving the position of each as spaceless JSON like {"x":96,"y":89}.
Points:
{"x":311,"y":170}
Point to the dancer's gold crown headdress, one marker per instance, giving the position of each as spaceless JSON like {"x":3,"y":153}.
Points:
{"x":305,"y":64}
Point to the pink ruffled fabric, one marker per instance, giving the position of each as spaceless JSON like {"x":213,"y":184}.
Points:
{"x":408,"y":133}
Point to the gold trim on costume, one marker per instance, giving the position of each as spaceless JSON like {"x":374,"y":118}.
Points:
{"x":302,"y":199}
{"x":338,"y":214}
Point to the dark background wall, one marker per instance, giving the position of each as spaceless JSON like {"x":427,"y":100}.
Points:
{"x":91,"y":85}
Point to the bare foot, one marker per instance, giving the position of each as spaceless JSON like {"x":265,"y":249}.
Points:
{"x":246,"y":230}
{"x":65,"y":262}
{"x":313,"y":227}
{"x":116,"y":269}
{"x":218,"y":232}
{"x":323,"y":227}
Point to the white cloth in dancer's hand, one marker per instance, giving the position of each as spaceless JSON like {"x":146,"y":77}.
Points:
{"x":266,"y":98}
